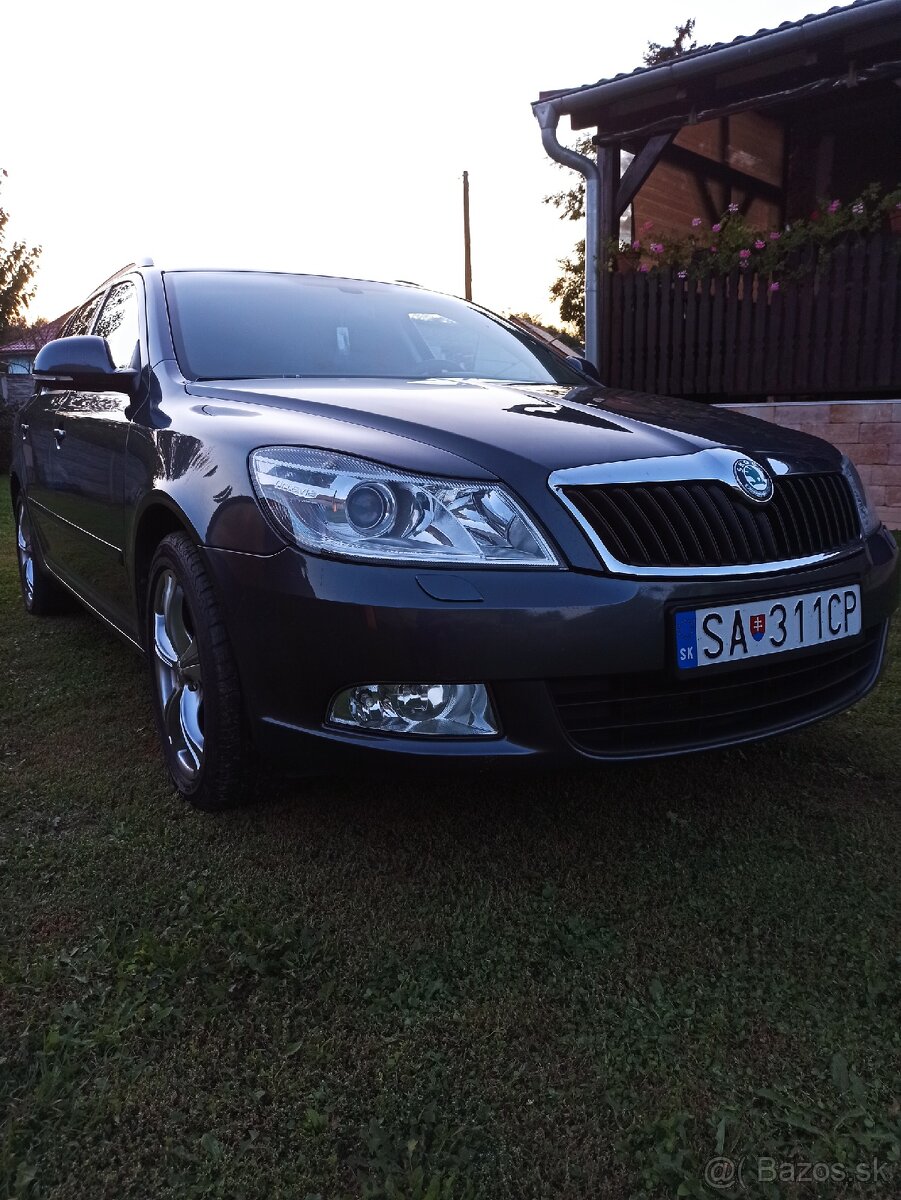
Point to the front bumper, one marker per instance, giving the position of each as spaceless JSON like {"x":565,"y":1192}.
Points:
{"x":303,"y":628}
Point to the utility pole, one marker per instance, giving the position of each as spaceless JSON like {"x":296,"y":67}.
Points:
{"x":467,"y":249}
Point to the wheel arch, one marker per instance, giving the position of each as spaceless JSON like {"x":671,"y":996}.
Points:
{"x":159,"y":517}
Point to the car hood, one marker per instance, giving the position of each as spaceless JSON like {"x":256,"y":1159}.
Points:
{"x":499,"y":425}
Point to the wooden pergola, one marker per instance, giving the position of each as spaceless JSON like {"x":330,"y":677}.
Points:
{"x":681,"y":117}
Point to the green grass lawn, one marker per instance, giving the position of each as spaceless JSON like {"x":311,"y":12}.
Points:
{"x":578,"y":984}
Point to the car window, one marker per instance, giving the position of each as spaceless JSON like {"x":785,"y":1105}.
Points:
{"x":81,"y":321}
{"x":118,"y":323}
{"x":253,"y":325}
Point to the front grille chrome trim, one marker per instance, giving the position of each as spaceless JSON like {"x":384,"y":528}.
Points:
{"x":713,"y":465}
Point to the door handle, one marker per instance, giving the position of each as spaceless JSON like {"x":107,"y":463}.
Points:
{"x":59,"y":434}
{"x":24,"y":429}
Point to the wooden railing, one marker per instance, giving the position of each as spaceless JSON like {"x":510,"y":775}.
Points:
{"x":831,"y":327}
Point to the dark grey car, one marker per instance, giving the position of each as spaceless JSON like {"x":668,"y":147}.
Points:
{"x":345,"y":518}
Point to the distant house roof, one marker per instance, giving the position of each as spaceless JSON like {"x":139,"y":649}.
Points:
{"x":19,"y":345}
{"x":847,"y":45}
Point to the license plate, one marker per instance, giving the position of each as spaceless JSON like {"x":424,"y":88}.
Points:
{"x":732,"y":632}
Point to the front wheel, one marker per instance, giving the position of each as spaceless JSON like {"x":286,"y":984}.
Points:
{"x":197,"y":696}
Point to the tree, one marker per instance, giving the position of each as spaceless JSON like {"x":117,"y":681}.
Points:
{"x":569,"y":286}
{"x":656,"y":53}
{"x":18,"y":264}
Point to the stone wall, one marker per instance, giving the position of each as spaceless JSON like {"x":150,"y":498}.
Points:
{"x":868,"y":431}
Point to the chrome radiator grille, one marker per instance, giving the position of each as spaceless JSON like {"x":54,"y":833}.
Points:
{"x":706,"y":524}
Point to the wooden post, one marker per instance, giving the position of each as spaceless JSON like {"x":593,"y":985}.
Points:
{"x":608,"y":169}
{"x":467,"y":248}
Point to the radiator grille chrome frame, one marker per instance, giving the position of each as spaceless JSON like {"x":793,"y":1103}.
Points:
{"x":715,"y":465}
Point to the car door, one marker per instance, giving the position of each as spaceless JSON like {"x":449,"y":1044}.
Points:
{"x":42,"y":445}
{"x":87,"y":482}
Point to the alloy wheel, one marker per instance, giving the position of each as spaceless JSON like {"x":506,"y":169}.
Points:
{"x":177,"y":671}
{"x":26,"y":554}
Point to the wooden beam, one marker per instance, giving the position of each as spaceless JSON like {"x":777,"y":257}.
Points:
{"x":703,"y":167}
{"x":639,"y":169}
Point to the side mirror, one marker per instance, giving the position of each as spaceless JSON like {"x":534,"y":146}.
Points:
{"x":87,"y":362}
{"x":585,"y":367}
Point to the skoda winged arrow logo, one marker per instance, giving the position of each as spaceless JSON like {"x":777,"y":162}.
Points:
{"x":753,"y":480}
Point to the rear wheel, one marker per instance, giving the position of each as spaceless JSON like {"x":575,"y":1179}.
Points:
{"x":197,"y":697}
{"x":41,"y":594}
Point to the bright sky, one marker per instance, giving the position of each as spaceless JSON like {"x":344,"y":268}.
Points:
{"x":319,"y":137}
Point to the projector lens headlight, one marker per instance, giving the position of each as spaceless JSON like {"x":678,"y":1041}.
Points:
{"x":335,"y":504}
{"x":371,"y":509}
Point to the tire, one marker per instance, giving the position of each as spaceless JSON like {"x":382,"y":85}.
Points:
{"x":197,"y":700}
{"x":41,"y":594}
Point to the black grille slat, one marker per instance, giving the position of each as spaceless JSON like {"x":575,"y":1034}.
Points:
{"x":836,"y":500}
{"x":725,"y":551}
{"x":657,"y":712}
{"x":846,"y":507}
{"x":607,"y":507}
{"x":805,"y":489}
{"x":686,"y":536}
{"x":789,"y":518}
{"x":750,"y":525}
{"x":703,"y":529}
{"x":595,"y":511}
{"x":656,"y":513}
{"x":827,"y":501}
{"x":765,"y":528}
{"x":709,"y":523}
{"x":782,"y":524}
{"x":641,"y":524}
{"x":798,"y":499}
{"x":729,"y":511}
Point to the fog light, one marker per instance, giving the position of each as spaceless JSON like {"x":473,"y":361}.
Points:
{"x":434,"y":709}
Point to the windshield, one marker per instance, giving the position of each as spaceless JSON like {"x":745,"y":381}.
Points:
{"x":254,"y":325}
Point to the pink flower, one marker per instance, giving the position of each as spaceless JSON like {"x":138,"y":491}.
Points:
{"x":774,"y":286}
{"x":683,"y":274}
{"x":744,"y":264}
{"x":657,"y":247}
{"x":835,"y":206}
{"x":644,"y":267}
{"x":759,"y":245}
{"x":716,"y":228}
{"x":713,"y":249}
{"x":696,"y":221}
{"x":775,"y":235}
{"x":744,"y":254}
{"x":733,"y":208}
{"x":636,"y":245}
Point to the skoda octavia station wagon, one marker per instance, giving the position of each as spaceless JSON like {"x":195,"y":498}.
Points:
{"x":348,"y":520}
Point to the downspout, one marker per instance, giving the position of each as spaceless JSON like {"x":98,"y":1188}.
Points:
{"x":548,"y":116}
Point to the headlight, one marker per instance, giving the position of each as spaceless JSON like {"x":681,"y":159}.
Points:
{"x":869,"y":522}
{"x":335,"y":504}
